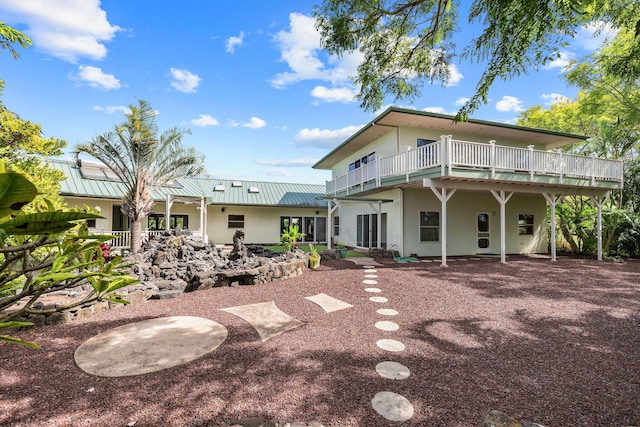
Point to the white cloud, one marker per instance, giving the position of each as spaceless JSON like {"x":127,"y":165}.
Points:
{"x":276,"y":172}
{"x":563,"y":61}
{"x":324,"y":138}
{"x":554,"y":98}
{"x":254,"y":123}
{"x":95,"y":77}
{"x":300,"y":49}
{"x":593,"y":35}
{"x":204,"y":120}
{"x":302,"y":162}
{"x":66,"y":29}
{"x":234,"y":41}
{"x":455,"y":76}
{"x":440,"y":110}
{"x":184,"y":80}
{"x":339,"y":94}
{"x":461,"y":101}
{"x":509,"y":103}
{"x":111,"y":109}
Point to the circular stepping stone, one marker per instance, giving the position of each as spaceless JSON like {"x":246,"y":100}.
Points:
{"x":390,"y":345}
{"x":371,"y":270}
{"x":385,"y":325}
{"x":392,"y":370}
{"x":387,"y":312}
{"x":392,"y":406}
{"x":371,"y":276}
{"x":378,"y":299}
{"x":370,"y":282}
{"x":373,"y":289}
{"x":149,"y":346}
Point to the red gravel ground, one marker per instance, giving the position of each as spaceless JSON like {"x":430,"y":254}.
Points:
{"x":554,"y":343}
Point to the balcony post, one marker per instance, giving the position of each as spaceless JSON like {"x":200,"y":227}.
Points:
{"x":443,"y":154}
{"x":530,"y":147}
{"x":593,"y":169}
{"x":406,"y":164}
{"x":378,"y":171}
{"x":492,"y":151}
{"x":561,"y":164}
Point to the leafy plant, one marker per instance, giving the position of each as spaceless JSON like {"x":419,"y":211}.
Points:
{"x":290,"y":237}
{"x":48,"y":251}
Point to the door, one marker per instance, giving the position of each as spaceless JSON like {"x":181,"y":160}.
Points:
{"x":483,"y":233}
{"x":321,"y":229}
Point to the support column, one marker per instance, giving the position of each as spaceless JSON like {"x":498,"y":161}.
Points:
{"x":203,"y":220}
{"x":330,"y":211}
{"x":444,"y":197}
{"x":599,"y":201}
{"x":379,"y":237}
{"x":553,"y":200}
{"x":167,"y":211}
{"x":502,"y":199}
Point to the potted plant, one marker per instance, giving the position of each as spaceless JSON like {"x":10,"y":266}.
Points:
{"x":290,"y":237}
{"x":342,"y":250}
{"x":314,"y":258}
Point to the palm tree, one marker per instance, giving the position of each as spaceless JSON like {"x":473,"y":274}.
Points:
{"x":142,"y":160}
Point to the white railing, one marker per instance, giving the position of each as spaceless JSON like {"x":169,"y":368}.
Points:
{"x":449,"y":154}
{"x":122,"y":239}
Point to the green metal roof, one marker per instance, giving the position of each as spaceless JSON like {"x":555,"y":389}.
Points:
{"x":216,"y":191}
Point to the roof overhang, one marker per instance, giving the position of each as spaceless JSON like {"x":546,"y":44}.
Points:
{"x":354,"y":199}
{"x":395,"y":117}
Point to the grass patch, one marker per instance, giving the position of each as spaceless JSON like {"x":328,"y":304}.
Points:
{"x":305,"y":248}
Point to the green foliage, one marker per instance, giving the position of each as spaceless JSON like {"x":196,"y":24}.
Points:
{"x":47,"y":251}
{"x":23,"y":147}
{"x":290,"y":237}
{"x":142,"y":159}
{"x":9,"y":36}
{"x":629,"y":238}
{"x":408,"y":42}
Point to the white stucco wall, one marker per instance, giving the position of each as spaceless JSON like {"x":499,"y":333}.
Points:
{"x":261,"y":224}
{"x":462,"y":209}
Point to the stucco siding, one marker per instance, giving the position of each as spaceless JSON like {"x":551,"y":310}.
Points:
{"x":462,"y":210}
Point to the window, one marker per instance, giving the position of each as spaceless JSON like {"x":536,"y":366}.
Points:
{"x":336,"y":225}
{"x":525,"y":224}
{"x":156,"y":222}
{"x":429,"y":226}
{"x":363,"y":161}
{"x":422,"y":142}
{"x":91,"y":223}
{"x":235,"y":221}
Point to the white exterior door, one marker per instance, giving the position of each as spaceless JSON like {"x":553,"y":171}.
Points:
{"x":483,"y":232}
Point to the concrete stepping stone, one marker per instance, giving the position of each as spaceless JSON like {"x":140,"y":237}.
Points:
{"x":266,"y":318}
{"x":328,"y":303}
{"x":370,"y":282}
{"x":378,"y":299}
{"x":385,"y":325}
{"x":149,"y":346}
{"x":392,"y":370}
{"x":371,"y":276}
{"x":376,"y":290}
{"x":387,"y":312}
{"x":392,"y":406}
{"x":368,"y":267}
{"x":390,"y":345}
{"x":371,"y":270}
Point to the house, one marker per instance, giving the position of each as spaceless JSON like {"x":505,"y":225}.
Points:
{"x":210,"y":207}
{"x":424,"y":184}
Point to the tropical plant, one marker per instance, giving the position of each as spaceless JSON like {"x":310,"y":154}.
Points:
{"x":314,"y":257}
{"x":142,"y":160}
{"x":45,"y":252}
{"x":290,"y":237}
{"x":407,"y":42}
{"x":9,"y":36}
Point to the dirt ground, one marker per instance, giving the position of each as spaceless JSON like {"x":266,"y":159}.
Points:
{"x":553,"y":343}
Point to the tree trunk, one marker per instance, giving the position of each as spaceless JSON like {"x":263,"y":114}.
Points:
{"x":136,"y":235}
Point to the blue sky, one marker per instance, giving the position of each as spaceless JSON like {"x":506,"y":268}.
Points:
{"x":249,"y":80}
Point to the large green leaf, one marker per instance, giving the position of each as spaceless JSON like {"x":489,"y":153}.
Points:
{"x":15,"y":192}
{"x":44,"y":222}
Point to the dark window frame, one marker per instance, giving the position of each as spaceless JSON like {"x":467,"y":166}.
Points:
{"x":426,"y":228}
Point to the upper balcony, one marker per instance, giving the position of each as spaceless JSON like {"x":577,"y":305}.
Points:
{"x":482,"y":162}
